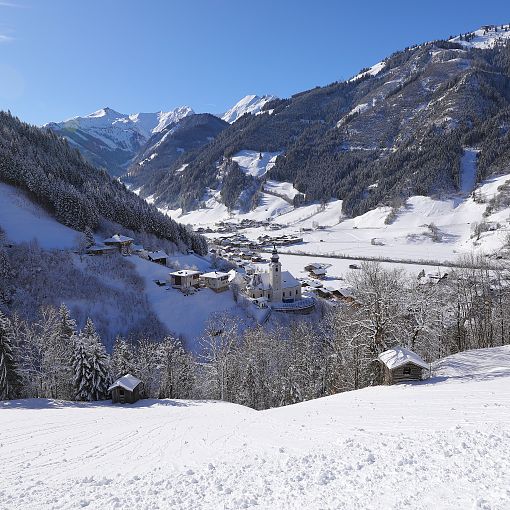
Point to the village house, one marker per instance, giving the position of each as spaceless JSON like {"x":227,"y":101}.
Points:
{"x":215,"y":280}
{"x":100,"y":250}
{"x":402,"y":365}
{"x":275,"y":285}
{"x":159,"y":257}
{"x":122,"y":243}
{"x":185,"y":279}
{"x":125,"y":390}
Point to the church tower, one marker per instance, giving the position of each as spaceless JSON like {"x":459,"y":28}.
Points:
{"x":275,"y":275}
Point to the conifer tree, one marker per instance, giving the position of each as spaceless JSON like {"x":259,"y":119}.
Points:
{"x":90,"y":364}
{"x":122,"y":361}
{"x":9,"y":379}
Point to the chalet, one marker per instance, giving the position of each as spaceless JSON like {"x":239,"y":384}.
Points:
{"x":215,"y":280}
{"x":122,"y":243}
{"x":401,"y":365}
{"x":125,"y":390}
{"x":159,"y":257}
{"x":100,"y":250}
{"x":184,"y":279}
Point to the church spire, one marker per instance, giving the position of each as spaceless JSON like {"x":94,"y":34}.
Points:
{"x":274,"y":256}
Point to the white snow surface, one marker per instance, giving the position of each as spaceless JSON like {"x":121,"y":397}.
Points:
{"x":248,"y":104}
{"x":398,"y":356}
{"x":128,"y":382}
{"x":485,"y":39}
{"x":441,"y":443}
{"x":251,"y":163}
{"x":23,"y":221}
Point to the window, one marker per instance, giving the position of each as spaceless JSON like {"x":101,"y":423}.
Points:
{"x":121,"y":392}
{"x":407,"y":371}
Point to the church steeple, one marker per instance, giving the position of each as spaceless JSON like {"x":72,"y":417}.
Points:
{"x":275,"y":269}
{"x":274,"y":255}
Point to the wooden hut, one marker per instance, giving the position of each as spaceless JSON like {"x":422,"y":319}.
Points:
{"x":402,"y":365}
{"x":125,"y":390}
{"x":159,"y":257}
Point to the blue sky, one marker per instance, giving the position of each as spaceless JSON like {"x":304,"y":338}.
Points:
{"x":60,"y":58}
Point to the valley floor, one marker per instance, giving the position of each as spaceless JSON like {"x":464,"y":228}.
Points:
{"x":440,"y":444}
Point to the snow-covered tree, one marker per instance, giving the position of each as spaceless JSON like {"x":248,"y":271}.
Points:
{"x":177,"y":370}
{"x":122,"y":359}
{"x":9,"y":379}
{"x":91,"y":365}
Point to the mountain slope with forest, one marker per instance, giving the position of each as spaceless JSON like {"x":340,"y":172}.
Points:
{"x":78,"y":195}
{"x":395,"y":130}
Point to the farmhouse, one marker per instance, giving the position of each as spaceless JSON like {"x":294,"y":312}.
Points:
{"x":275,"y":285}
{"x":160,"y":257}
{"x":215,"y":280}
{"x":401,"y":365}
{"x":184,"y":279}
{"x":125,"y":390}
{"x":122,"y":243}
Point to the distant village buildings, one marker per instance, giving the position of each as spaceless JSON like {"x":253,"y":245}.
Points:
{"x":215,"y":280}
{"x":185,"y":279}
{"x":122,"y":243}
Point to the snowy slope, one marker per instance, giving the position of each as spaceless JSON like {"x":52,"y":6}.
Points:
{"x":255,"y":163}
{"x":486,"y":37}
{"x":111,"y":139}
{"x":248,"y":104}
{"x":24,"y":221}
{"x":439,"y":444}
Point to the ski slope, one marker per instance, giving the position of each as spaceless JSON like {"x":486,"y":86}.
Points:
{"x":439,"y":444}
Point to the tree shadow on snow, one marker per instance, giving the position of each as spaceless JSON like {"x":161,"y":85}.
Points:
{"x":45,"y":403}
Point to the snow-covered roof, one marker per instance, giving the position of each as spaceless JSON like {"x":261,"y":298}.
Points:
{"x":137,"y":247}
{"x":318,"y":270}
{"x":100,"y":247}
{"x":128,"y":382}
{"x":214,"y":274}
{"x":118,"y":238}
{"x":185,"y":272}
{"x":289,"y":281}
{"x":398,"y":356}
{"x":157,"y":255}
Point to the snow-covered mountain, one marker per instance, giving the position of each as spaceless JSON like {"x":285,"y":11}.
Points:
{"x":111,"y":139}
{"x":248,"y":104}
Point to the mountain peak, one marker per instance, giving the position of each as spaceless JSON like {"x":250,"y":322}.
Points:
{"x":248,"y":104}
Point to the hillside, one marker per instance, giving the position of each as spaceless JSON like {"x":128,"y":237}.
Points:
{"x":58,"y":179}
{"x":395,"y":130}
{"x":436,"y":444}
{"x":110,"y":139}
{"x":165,"y":147}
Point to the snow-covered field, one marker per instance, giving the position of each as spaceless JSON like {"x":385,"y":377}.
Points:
{"x":406,"y":238}
{"x":439,"y":444}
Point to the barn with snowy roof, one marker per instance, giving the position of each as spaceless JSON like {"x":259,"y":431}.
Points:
{"x":126,"y":390}
{"x":402,"y":365}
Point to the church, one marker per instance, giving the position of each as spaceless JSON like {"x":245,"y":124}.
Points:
{"x":275,"y":285}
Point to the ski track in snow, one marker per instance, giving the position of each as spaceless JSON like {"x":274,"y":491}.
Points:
{"x":440,"y":444}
